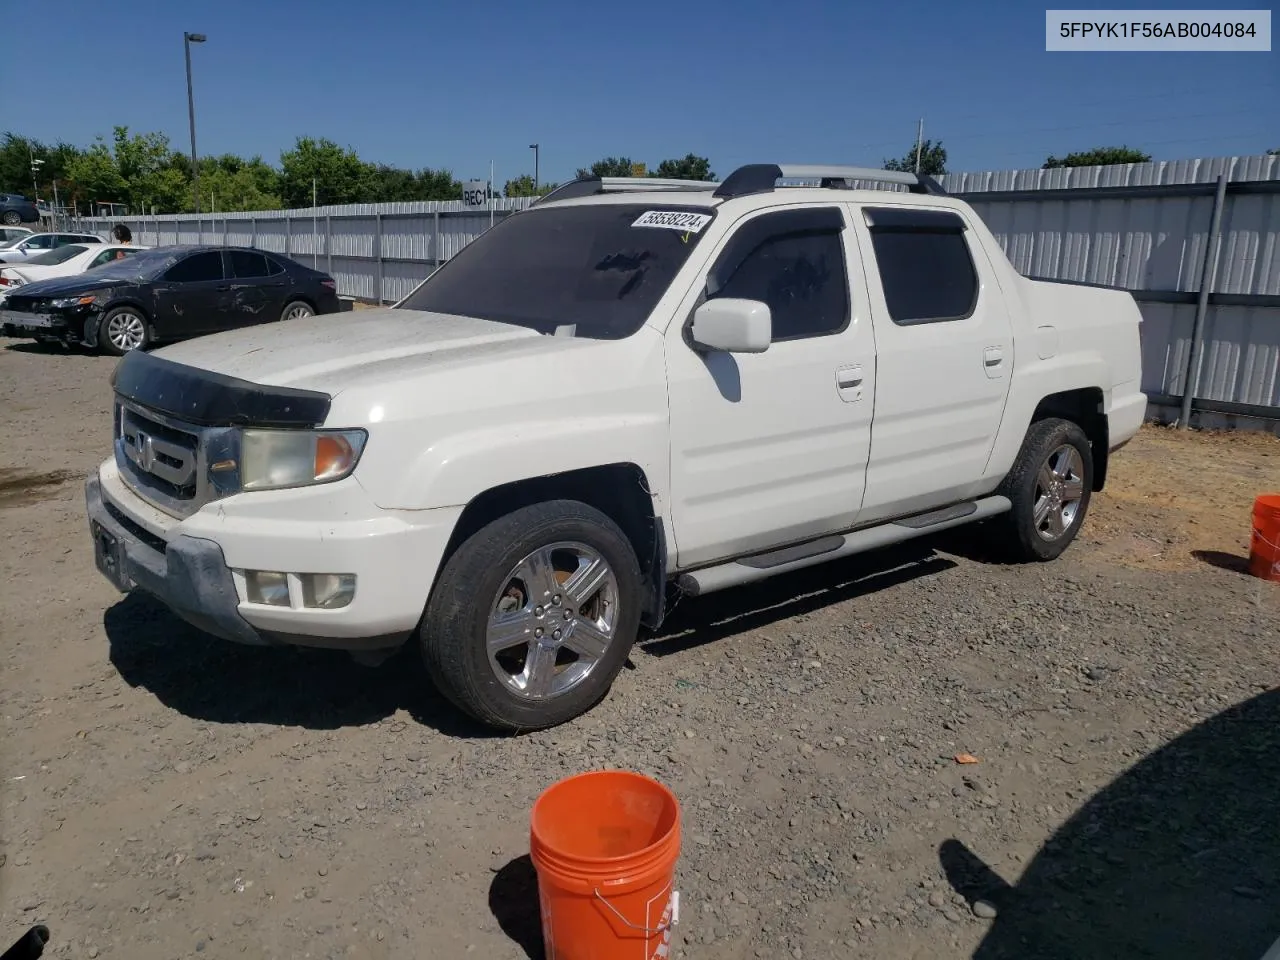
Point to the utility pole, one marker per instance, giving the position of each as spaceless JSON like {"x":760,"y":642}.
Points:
{"x":534,"y":148}
{"x":491,"y":193}
{"x":919,"y":143}
{"x":187,"y":40}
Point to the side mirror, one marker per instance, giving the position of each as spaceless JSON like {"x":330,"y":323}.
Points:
{"x":734,"y":326}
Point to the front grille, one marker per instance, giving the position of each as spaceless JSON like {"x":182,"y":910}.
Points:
{"x":160,"y":459}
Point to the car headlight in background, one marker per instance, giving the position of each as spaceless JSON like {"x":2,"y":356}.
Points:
{"x":270,"y":459}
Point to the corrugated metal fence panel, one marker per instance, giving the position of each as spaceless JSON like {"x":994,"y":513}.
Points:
{"x":1120,"y":175}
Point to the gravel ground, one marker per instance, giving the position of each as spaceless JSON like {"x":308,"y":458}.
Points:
{"x":166,"y":795}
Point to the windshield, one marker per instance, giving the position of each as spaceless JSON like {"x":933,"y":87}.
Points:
{"x":600,"y":267}
{"x":14,"y":242}
{"x":143,"y":265}
{"x":61,"y":255}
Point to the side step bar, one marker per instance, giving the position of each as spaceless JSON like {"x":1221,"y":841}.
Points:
{"x":764,"y":565}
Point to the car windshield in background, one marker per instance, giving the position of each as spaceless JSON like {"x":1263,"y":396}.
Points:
{"x":61,"y":255}
{"x":600,"y":267}
{"x":142,"y":265}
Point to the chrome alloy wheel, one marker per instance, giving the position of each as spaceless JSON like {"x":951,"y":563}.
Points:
{"x":552,"y":621}
{"x":1059,"y":492}
{"x":301,"y":311}
{"x":126,"y":331}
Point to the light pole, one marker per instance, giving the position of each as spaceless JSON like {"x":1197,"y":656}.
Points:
{"x":187,"y":40}
{"x":35,"y":190}
{"x":534,"y":148}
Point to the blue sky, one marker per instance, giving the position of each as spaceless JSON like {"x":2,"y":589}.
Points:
{"x":455,"y":85}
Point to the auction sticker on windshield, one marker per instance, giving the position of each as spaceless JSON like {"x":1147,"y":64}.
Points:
{"x":673,"y":220}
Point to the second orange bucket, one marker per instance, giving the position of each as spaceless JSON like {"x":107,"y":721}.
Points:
{"x":605,"y":845}
{"x":1264,"y":545}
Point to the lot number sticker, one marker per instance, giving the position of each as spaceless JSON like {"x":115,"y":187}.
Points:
{"x":673,"y":220}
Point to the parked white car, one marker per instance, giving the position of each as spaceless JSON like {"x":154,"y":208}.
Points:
{"x":64,"y":261}
{"x":39,"y":243}
{"x":11,"y":235}
{"x":617,"y":394}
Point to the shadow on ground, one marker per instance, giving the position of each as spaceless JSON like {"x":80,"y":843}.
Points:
{"x":1222,"y":560}
{"x":513,"y":901}
{"x":1178,"y":858}
{"x":693,"y":622}
{"x":211,"y":679}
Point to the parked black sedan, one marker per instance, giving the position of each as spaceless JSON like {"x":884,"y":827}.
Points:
{"x":168,"y":293}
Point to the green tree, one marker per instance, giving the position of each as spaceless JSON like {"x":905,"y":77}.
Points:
{"x":608,"y":167}
{"x":522,"y":186}
{"x":436,"y":185}
{"x":231,"y":183}
{"x":339,"y":173}
{"x":1098,"y":157}
{"x":690,"y":167}
{"x":95,"y":178}
{"x":933,"y":160}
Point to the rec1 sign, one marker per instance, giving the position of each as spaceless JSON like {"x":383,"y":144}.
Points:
{"x":475,"y":193}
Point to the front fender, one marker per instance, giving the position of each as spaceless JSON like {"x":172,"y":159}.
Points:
{"x":456,"y":468}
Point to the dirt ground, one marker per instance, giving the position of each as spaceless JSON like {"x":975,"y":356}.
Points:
{"x":164,"y":794}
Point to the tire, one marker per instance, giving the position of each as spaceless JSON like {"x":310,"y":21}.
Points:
{"x":481,"y":587}
{"x":11,"y":218}
{"x":297,"y":310}
{"x":1050,"y":486}
{"x":123,"y":330}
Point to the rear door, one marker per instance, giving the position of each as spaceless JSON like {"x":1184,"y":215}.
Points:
{"x":944,"y":345}
{"x":192,"y":297}
{"x":256,"y":295}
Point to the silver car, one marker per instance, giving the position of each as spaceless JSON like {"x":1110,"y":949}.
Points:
{"x":39,"y":243}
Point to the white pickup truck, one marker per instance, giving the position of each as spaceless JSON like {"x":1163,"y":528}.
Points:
{"x":630,"y":388}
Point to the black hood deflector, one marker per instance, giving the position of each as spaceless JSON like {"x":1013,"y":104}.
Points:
{"x":214,"y":399}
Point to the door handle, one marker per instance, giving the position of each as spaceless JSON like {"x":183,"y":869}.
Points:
{"x":222,"y":289}
{"x":847,"y":377}
{"x":993,"y":356}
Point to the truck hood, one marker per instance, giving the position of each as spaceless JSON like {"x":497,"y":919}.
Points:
{"x":334,"y":352}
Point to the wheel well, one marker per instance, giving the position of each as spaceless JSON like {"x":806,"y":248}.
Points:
{"x":619,"y":490}
{"x":1083,"y":407}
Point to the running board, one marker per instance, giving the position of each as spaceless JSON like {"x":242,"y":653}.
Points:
{"x":764,"y":565}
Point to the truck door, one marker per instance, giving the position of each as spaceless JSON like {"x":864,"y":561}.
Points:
{"x":944,"y":355}
{"x":771,"y":448}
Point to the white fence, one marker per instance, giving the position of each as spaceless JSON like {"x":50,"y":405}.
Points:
{"x":1140,"y":227}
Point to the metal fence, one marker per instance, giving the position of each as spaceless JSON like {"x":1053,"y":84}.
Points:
{"x":1147,"y":228}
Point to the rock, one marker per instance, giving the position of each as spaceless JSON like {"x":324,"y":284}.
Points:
{"x":984,"y":909}
{"x":951,"y":915}
{"x":182,"y":766}
{"x":936,"y":899}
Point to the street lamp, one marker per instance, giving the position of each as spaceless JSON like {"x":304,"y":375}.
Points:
{"x":534,"y":148}
{"x":35,"y":165}
{"x":187,"y":40}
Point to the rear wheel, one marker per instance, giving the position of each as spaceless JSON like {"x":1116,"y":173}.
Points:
{"x":1049,"y":486}
{"x":297,"y":310}
{"x":12,"y":218}
{"x":533,"y":616}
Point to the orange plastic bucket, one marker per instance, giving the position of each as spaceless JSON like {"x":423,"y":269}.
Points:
{"x":1264,"y":547}
{"x":605,"y":846}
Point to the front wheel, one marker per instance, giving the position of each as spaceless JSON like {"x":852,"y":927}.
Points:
{"x":1049,"y":486}
{"x":123,"y":330}
{"x":533,"y":616}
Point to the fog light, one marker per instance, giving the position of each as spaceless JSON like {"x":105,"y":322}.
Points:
{"x":266,"y":586}
{"x":327,"y":590}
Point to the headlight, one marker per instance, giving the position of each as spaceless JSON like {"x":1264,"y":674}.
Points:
{"x":72,"y":302}
{"x":270,"y":459}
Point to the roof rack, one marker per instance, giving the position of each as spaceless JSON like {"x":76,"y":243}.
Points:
{"x":763,"y":178}
{"x":588,"y":186}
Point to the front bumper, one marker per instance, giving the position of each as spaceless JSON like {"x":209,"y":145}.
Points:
{"x":66,"y":326}
{"x":195,"y":566}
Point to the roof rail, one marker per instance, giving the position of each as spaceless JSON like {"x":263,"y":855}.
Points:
{"x":588,"y":186}
{"x":763,"y":178}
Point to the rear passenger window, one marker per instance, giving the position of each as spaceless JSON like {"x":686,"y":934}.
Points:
{"x":793,"y":261}
{"x":245,"y":264}
{"x":273,"y":266}
{"x":925,"y":266}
